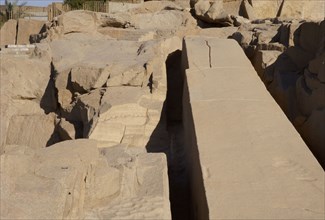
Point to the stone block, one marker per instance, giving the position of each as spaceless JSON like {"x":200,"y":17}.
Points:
{"x":27,"y":28}
{"x":8,"y":33}
{"x":241,"y":147}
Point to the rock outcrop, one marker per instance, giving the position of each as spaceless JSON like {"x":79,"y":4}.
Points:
{"x":288,"y":59}
{"x":73,"y":85}
{"x":74,"y":179}
{"x":26,"y":28}
{"x":8,"y":33}
{"x":90,"y":101}
{"x":235,"y":12}
{"x":21,"y":31}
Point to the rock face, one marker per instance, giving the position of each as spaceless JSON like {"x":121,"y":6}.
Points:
{"x":294,"y":78}
{"x":229,"y":12}
{"x":94,"y":92}
{"x":22,"y":130}
{"x":22,"y":92}
{"x":287,"y":58}
{"x":76,"y":84}
{"x":78,"y":21}
{"x":150,"y":20}
{"x":219,"y":13}
{"x":79,"y":181}
{"x":122,"y":92}
{"x":26,"y":28}
{"x":20,"y":32}
{"x":8,"y":33}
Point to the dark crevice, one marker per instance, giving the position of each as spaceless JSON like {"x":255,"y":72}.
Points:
{"x":49,"y":100}
{"x":16,"y":37}
{"x":168,"y":138}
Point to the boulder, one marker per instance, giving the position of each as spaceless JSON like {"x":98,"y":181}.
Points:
{"x":201,"y":7}
{"x":66,"y":130}
{"x":22,"y":130}
{"x":73,"y":180}
{"x":302,"y":9}
{"x":64,"y":91}
{"x":164,"y":20}
{"x":142,"y":186}
{"x":265,"y":9}
{"x":24,"y":78}
{"x":117,"y":20}
{"x":78,"y":21}
{"x":51,"y":180}
{"x":135,"y":75}
{"x":86,"y":78}
{"x":22,"y":87}
{"x":87,"y":109}
{"x":8,"y":33}
{"x":26,"y":28}
{"x":219,"y":13}
{"x":263,"y":59}
{"x":125,"y":119}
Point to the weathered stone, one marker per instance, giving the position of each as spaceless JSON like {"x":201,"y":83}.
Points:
{"x":78,"y":21}
{"x":77,"y":182}
{"x":119,"y":20}
{"x":22,"y":130}
{"x":131,"y":76}
{"x":23,"y":88}
{"x":86,"y":78}
{"x":8,"y":33}
{"x":66,"y":130}
{"x":143,"y":187}
{"x":262,"y":60}
{"x":62,"y":85}
{"x":265,"y":9}
{"x":302,"y":9}
{"x":211,"y":148}
{"x":26,"y":28}
{"x":215,"y":13}
{"x":165,"y":20}
{"x":201,"y":7}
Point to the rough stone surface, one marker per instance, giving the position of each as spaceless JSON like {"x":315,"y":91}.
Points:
{"x":80,"y":110}
{"x":78,"y":21}
{"x":8,"y":33}
{"x":78,"y":181}
{"x":26,"y":28}
{"x":23,"y":89}
{"x":294,"y":78}
{"x":22,"y":130}
{"x":222,"y":184}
